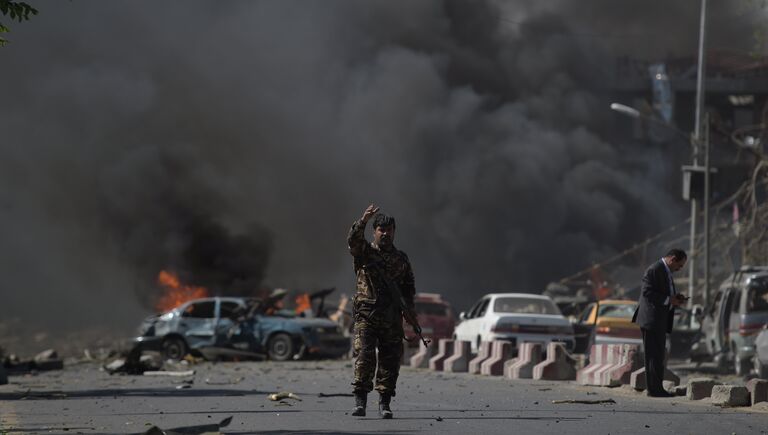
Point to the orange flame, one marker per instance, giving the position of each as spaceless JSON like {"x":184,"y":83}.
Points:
{"x":302,"y":303}
{"x":176,"y":293}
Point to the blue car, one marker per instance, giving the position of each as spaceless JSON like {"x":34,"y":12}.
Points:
{"x":221,"y":323}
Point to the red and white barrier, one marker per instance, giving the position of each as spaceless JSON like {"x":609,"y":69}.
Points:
{"x":445,"y":350}
{"x":459,"y":361}
{"x":421,"y":359}
{"x":529,"y":355}
{"x":483,"y":353}
{"x":557,"y":367}
{"x":610,"y":365}
{"x":630,"y":359}
{"x":501,"y":352}
{"x":598,"y":360}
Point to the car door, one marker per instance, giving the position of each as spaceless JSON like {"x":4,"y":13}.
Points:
{"x":198,"y":323}
{"x":584,"y":328}
{"x":481,"y":325}
{"x":228,"y":333}
{"x":463,"y":329}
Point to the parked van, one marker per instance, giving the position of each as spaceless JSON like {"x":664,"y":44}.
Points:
{"x":738,"y":312}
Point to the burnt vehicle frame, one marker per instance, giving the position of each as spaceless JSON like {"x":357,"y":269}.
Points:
{"x":239,"y":326}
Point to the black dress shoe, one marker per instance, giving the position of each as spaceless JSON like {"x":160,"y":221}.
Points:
{"x":660,"y":394}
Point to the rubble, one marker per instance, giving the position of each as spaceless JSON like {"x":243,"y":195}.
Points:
{"x":637,"y":379}
{"x":283,"y":395}
{"x":758,"y":390}
{"x":204,"y":429}
{"x":729,"y":395}
{"x":43,"y":361}
{"x":585,"y":402}
{"x":228,"y":381}
{"x":168,"y":373}
{"x":700,"y":388}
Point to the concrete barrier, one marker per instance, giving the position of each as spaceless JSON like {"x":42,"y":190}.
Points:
{"x":557,"y":367}
{"x":729,"y":395}
{"x":700,"y":388}
{"x":501,"y":352}
{"x":529,"y":355}
{"x":598,"y":359}
{"x":758,"y":390}
{"x":483,"y":353}
{"x":408,"y":352}
{"x":637,"y":378}
{"x":421,"y":359}
{"x":628,"y":359}
{"x":444,"y":350}
{"x":459,"y":361}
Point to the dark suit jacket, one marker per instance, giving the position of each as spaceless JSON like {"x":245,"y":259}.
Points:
{"x":651,"y":313}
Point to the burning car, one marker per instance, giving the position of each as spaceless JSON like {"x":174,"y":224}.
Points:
{"x":239,"y":324}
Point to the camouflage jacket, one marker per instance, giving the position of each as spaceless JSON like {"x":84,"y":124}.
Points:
{"x":376,"y":270}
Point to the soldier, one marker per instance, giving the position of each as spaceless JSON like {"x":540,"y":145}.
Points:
{"x":384,"y":274}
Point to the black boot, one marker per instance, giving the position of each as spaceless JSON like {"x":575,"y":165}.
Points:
{"x":360,"y":401}
{"x":384,"y":410}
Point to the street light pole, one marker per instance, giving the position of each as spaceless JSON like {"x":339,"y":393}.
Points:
{"x":695,"y":151}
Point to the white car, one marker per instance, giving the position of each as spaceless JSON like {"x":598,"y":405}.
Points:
{"x":514,"y":317}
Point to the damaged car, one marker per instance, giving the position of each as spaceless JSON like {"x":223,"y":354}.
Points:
{"x":238,"y":324}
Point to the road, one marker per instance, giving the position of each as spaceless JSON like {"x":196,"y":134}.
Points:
{"x":83,"y":399}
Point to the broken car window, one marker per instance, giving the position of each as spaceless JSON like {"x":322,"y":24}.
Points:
{"x":201,"y":310}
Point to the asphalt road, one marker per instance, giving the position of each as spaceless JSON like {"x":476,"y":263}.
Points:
{"x":83,"y":399}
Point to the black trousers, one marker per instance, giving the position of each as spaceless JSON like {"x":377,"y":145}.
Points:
{"x":654,"y":343}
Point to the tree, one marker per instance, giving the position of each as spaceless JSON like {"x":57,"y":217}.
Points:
{"x":18,"y":11}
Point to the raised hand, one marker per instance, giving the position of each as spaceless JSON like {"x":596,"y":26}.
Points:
{"x":369,"y":212}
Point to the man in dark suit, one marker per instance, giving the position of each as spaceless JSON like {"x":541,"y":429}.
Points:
{"x":655,"y":313}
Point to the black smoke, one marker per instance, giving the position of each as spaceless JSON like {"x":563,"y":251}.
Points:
{"x":235,"y":142}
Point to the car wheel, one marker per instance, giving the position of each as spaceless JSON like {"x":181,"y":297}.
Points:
{"x":174,"y":348}
{"x":280,"y":347}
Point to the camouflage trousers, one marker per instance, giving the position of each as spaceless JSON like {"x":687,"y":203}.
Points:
{"x":386,"y":337}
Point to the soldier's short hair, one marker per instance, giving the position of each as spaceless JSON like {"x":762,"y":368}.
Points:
{"x":677,"y":254}
{"x":382,"y":220}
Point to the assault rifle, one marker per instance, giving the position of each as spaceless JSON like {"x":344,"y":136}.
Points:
{"x":408,"y":315}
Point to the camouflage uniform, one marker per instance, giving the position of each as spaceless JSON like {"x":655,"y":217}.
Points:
{"x":378,"y":316}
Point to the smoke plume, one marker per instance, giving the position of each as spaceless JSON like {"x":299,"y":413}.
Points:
{"x":235,"y":142}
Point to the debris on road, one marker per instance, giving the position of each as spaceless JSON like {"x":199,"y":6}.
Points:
{"x":584,"y":402}
{"x":336,"y":395}
{"x":729,"y":395}
{"x":227,"y":381}
{"x":43,"y":361}
{"x":167,"y":373}
{"x":283,"y":395}
{"x":204,"y":429}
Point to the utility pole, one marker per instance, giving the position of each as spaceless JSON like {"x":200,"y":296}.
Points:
{"x":707,"y":175}
{"x":695,"y":150}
